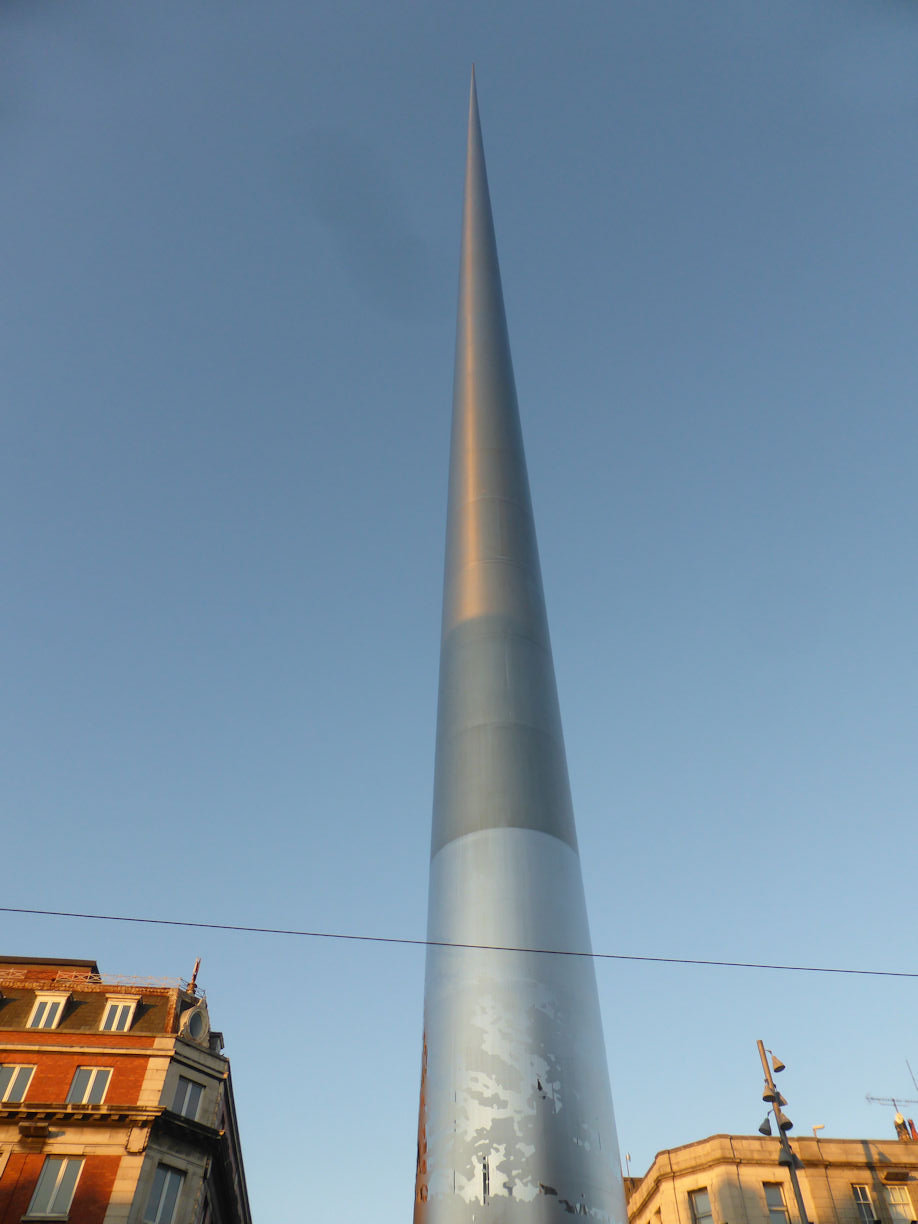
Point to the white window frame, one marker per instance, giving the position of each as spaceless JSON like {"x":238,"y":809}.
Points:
{"x":121,"y":1008}
{"x":49,"y":1184}
{"x":48,"y":1003}
{"x":184,"y":1087}
{"x":157,"y":1199}
{"x":701,"y":1217}
{"x":863,"y":1200}
{"x":95,"y":1074}
{"x":899,"y":1203}
{"x":777,"y":1212}
{"x":15,"y":1070}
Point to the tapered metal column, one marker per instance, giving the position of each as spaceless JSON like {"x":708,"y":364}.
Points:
{"x":516,"y":1116}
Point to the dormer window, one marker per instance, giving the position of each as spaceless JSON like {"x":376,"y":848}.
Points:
{"x":119,"y":1013}
{"x":48,"y":1010}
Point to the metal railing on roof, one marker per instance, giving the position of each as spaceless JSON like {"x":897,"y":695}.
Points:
{"x":73,"y":979}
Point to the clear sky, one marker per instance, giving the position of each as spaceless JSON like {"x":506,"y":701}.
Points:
{"x":229,"y":245}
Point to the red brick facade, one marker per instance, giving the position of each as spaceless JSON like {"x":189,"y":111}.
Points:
{"x":90,"y":1202}
{"x":159,"y":1128}
{"x":54,"y":1075}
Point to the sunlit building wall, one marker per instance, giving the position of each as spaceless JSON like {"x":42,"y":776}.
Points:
{"x":116,"y":1104}
{"x":738,"y":1179}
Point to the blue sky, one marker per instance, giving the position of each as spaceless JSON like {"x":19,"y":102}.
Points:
{"x":229,"y":235}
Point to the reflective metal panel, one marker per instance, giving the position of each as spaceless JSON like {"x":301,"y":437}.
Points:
{"x":516,"y":1116}
{"x":515,"y":1122}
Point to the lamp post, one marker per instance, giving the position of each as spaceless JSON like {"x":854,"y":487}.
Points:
{"x":776,"y":1100}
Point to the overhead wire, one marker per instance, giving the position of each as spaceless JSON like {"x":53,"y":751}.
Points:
{"x":438,"y":943}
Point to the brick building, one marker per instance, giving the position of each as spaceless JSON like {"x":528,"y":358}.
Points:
{"x":116,"y":1104}
{"x":742,"y":1179}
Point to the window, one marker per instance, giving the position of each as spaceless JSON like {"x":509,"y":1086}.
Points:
{"x":89,"y":1086}
{"x":701,"y":1206}
{"x":118,"y":1015}
{"x":187,"y":1097}
{"x":48,"y":1010}
{"x":195,"y":1024}
{"x":864,"y":1205}
{"x":14,"y":1080}
{"x":167,"y":1183}
{"x":899,"y":1203}
{"x":774,"y":1201}
{"x":56,"y":1184}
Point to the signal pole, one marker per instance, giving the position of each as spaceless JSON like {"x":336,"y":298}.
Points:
{"x":776,"y":1100}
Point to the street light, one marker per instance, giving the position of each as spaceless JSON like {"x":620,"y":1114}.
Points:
{"x":786,"y":1157}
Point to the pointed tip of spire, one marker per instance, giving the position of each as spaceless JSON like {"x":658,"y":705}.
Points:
{"x":474,"y":120}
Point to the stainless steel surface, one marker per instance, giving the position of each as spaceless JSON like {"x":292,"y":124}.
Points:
{"x":515,"y":1121}
{"x":500,"y":751}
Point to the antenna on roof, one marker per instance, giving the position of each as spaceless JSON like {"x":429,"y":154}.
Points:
{"x":193,"y":984}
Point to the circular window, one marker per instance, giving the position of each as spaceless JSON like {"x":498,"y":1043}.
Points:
{"x":196,"y":1025}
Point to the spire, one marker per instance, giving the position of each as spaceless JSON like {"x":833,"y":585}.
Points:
{"x":500,"y":752}
{"x":515,"y":1111}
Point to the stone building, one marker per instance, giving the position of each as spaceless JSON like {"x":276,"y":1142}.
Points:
{"x":738,"y":1179}
{"x":116,"y":1104}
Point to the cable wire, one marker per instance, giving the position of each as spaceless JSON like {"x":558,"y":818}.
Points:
{"x":437,"y":943}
